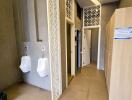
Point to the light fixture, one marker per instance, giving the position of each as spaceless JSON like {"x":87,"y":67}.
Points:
{"x":96,"y":2}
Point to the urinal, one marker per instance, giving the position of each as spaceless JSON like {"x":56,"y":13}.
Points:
{"x":25,"y":64}
{"x":42,"y":68}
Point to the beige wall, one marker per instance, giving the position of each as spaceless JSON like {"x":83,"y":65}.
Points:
{"x":94,"y":44}
{"x":106,"y":13}
{"x":63,"y":49}
{"x":125,"y":3}
{"x":9,"y":70}
{"x":18,"y":21}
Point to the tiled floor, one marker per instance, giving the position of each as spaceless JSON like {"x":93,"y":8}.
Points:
{"x":27,"y":92}
{"x":88,"y":85}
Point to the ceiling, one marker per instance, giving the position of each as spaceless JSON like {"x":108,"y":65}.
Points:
{"x":107,"y":1}
{"x":84,"y":3}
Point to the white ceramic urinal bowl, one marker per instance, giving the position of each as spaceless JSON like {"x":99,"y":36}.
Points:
{"x":42,"y":68}
{"x":25,"y":64}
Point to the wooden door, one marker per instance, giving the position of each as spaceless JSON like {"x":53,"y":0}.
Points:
{"x":86,"y":46}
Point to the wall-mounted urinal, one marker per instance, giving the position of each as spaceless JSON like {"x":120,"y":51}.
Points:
{"x":25,"y":65}
{"x":42,"y":68}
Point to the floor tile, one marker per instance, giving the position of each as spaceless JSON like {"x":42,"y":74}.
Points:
{"x":88,"y":85}
{"x":27,"y":92}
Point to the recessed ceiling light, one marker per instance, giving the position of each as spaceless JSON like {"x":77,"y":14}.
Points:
{"x":96,"y":2}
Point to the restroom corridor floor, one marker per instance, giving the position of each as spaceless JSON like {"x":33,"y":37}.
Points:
{"x":27,"y":92}
{"x":88,"y":85}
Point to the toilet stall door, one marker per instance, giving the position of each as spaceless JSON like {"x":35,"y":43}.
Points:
{"x":86,"y":45}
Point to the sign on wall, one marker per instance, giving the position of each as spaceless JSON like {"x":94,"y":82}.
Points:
{"x":123,"y":33}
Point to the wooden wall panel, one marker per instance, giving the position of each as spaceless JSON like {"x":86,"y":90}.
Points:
{"x":109,"y":46}
{"x":118,"y":61}
{"x":124,"y":17}
{"x":121,"y":80}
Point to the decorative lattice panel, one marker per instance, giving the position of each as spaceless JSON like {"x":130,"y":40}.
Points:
{"x":92,"y":16}
{"x":55,"y":53}
{"x":69,"y":8}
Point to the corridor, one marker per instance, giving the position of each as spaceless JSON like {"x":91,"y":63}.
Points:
{"x":88,"y":85}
